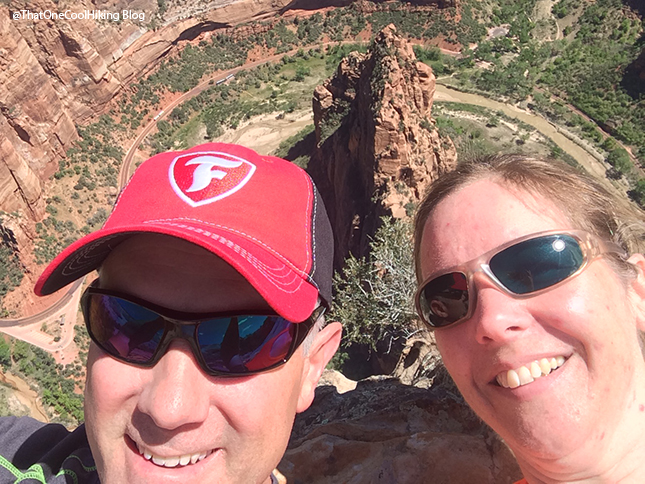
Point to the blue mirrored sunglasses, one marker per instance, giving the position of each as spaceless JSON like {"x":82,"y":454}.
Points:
{"x":224,"y":344}
{"x":521,"y":268}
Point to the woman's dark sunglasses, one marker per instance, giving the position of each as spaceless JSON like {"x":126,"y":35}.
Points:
{"x":224,"y":344}
{"x":521,"y":268}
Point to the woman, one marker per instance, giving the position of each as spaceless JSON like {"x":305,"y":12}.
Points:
{"x":547,"y":309}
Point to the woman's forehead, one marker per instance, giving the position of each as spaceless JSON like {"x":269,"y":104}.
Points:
{"x":481,"y":216}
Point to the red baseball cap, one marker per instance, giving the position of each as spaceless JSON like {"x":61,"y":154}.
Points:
{"x":261,"y":214}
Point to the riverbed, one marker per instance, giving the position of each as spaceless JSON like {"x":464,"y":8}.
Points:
{"x":27,"y":397}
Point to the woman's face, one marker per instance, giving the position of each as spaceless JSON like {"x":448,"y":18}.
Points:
{"x":590,"y":321}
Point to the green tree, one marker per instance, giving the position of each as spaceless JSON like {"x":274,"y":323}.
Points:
{"x":373,"y":297}
{"x":638,"y":193}
{"x":5,"y":354}
{"x":619,"y":159}
{"x":301,"y":73}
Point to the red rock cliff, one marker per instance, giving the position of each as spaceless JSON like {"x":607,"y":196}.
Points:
{"x":55,"y":73}
{"x":378,"y":148}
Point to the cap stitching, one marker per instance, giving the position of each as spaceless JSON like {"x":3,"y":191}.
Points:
{"x":75,"y":264}
{"x":254,"y":261}
{"x":175,"y":222}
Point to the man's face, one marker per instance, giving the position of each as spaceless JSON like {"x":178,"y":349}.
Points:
{"x":174,"y":409}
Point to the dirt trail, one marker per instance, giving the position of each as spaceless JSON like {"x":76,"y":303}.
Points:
{"x":25,"y":394}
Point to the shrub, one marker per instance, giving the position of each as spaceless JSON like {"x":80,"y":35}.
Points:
{"x":619,"y":159}
{"x":373,"y":296}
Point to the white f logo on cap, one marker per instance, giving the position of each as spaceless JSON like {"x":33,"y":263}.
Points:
{"x":204,"y":173}
{"x":201,"y":178}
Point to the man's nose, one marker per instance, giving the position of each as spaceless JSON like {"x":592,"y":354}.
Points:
{"x":498,"y":317}
{"x":177,"y":391}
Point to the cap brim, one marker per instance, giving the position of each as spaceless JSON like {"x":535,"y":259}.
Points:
{"x":290,"y":292}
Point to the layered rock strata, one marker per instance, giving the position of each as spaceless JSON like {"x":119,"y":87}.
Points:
{"x":57,"y":72}
{"x":377,"y":145}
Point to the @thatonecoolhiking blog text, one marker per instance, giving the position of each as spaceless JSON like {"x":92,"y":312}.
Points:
{"x":82,"y":15}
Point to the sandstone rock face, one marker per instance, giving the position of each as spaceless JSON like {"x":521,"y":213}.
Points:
{"x":378,"y":148}
{"x":20,"y":188}
{"x":35,"y":127}
{"x":57,"y":72}
{"x":390,"y":433}
{"x":76,"y":53}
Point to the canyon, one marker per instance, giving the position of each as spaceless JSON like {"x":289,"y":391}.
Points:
{"x":56,"y":74}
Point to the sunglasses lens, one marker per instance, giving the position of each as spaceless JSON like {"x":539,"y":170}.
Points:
{"x":122,"y":328}
{"x":537,"y":263}
{"x":227,"y":345}
{"x":444,"y":300}
{"x":243,"y":344}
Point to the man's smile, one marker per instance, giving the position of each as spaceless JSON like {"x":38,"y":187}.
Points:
{"x":173,"y":461}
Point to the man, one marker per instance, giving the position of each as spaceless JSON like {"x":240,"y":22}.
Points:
{"x":206,"y":325}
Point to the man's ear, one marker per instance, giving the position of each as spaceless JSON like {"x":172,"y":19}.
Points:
{"x":321,"y":351}
{"x":637,"y":286}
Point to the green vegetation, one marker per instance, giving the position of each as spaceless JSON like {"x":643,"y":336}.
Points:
{"x":336,"y":53}
{"x":373,"y":297}
{"x":619,"y":159}
{"x":484,"y":132}
{"x":441,"y":64}
{"x":58,"y":385}
{"x":562,"y":8}
{"x":265,"y":89}
{"x":291,"y":144}
{"x":588,"y":69}
{"x":53,"y":236}
{"x":55,"y":381}
{"x":231,"y":48}
{"x":92,"y":163}
{"x":11,"y":274}
{"x":96,"y":157}
{"x":591,"y":70}
{"x":5,"y":354}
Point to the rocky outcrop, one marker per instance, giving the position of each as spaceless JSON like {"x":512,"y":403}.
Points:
{"x":391,"y":433}
{"x":378,"y":148}
{"x":58,"y":72}
{"x":53,"y":74}
{"x":35,"y":127}
{"x":20,"y":187}
{"x":76,"y":54}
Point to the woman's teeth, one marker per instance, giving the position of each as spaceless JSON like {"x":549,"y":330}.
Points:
{"x":182,"y":460}
{"x":529,"y":373}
